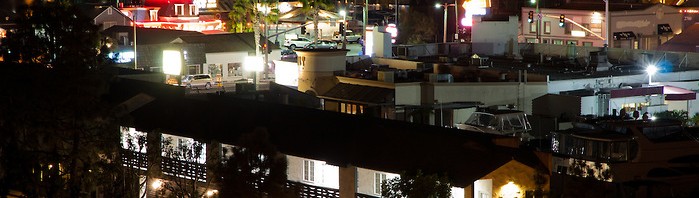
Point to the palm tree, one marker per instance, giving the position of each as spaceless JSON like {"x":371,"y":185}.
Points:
{"x":240,"y":15}
{"x":312,"y":7}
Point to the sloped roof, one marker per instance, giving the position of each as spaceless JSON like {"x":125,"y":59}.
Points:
{"x":226,"y":42}
{"x":336,"y":138}
{"x":146,"y":36}
{"x":684,"y":42}
{"x":360,"y":94}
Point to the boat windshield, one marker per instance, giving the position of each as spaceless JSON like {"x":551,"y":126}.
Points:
{"x":515,"y":122}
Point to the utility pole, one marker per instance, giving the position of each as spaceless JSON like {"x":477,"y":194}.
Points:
{"x":538,"y":22}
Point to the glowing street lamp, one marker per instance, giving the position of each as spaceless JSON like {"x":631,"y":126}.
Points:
{"x":253,"y":64}
{"x":446,"y":5}
{"x":651,"y":70}
{"x":343,"y":13}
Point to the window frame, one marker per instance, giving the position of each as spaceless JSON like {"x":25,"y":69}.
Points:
{"x":308,"y":171}
{"x":547,"y":27}
{"x":378,"y":179}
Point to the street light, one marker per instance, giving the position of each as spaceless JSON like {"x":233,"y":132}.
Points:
{"x":446,"y":5}
{"x":651,"y":70}
{"x":253,"y":64}
{"x":343,"y":13}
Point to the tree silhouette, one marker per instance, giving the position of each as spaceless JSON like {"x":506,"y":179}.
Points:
{"x":256,"y":169}
{"x":55,"y":34}
{"x":416,"y":184}
{"x":57,"y":136}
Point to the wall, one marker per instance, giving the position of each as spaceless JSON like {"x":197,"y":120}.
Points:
{"x":408,"y":94}
{"x":317,"y":69}
{"x":557,"y":32}
{"x":326,"y":175}
{"x":645,"y":22}
{"x":224,"y":58}
{"x":365,"y":180}
{"x":116,"y":16}
{"x":494,"y":37}
{"x":496,"y":93}
{"x":397,"y":63}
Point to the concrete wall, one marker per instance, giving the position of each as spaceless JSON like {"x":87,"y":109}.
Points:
{"x":495,"y":37}
{"x":317,"y":69}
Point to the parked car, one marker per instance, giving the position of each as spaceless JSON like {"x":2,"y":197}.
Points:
{"x":198,"y":80}
{"x":288,"y":54}
{"x":349,"y":35}
{"x":297,"y":42}
{"x":322,"y":44}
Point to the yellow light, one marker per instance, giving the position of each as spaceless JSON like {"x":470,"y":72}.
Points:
{"x":510,"y":190}
{"x":157,"y":184}
{"x":211,"y":193}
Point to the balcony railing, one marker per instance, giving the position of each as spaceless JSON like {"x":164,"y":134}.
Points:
{"x":184,"y":169}
{"x":192,"y":170}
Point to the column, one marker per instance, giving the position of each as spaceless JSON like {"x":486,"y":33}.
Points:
{"x":348,"y":181}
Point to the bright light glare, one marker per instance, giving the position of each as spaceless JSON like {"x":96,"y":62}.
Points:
{"x":157,"y":184}
{"x":211,"y":193}
{"x":651,"y":69}
{"x":437,"y":5}
{"x":343,"y":13}
{"x":510,"y":190}
{"x":532,"y":1}
{"x":252,"y":63}
{"x":172,"y":62}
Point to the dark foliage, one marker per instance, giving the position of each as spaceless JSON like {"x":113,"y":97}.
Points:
{"x":255,"y":169}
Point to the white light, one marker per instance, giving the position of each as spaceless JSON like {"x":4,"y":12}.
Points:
{"x":651,"y":69}
{"x":172,"y":62}
{"x":532,"y":1}
{"x":211,"y":193}
{"x":157,"y":184}
{"x":437,"y":5}
{"x":252,"y":63}
{"x":343,"y":13}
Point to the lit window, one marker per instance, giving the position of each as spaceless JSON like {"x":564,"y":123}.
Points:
{"x":308,"y":170}
{"x":532,"y":27}
{"x":378,"y":179}
{"x":547,"y":27}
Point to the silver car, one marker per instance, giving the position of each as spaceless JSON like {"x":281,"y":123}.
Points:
{"x":198,"y":80}
{"x":321,"y":44}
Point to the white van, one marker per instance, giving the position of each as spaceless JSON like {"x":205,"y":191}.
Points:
{"x":198,"y":80}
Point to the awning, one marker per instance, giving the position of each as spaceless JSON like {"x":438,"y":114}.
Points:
{"x":676,"y":93}
{"x":664,"y":29}
{"x":624,"y":35}
{"x":638,"y":91}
